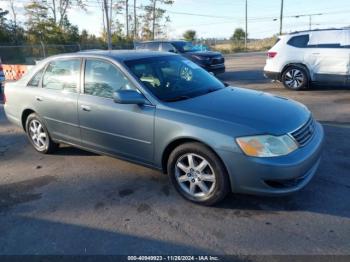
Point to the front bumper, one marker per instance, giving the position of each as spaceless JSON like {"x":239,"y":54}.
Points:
{"x":215,"y":69}
{"x":276,"y":175}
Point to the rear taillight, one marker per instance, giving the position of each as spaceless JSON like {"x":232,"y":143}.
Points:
{"x":271,"y":54}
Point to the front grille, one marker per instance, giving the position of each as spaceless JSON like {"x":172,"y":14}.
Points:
{"x":304,"y":134}
{"x":216,"y":61}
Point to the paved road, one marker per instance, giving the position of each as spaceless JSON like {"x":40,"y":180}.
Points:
{"x":75,"y":202}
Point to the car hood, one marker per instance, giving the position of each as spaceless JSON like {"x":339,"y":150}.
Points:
{"x":262,"y":112}
{"x":204,"y":53}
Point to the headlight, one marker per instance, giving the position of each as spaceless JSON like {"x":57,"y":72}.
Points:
{"x":267,"y":145}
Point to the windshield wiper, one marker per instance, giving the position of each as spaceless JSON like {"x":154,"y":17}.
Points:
{"x":177,"y":98}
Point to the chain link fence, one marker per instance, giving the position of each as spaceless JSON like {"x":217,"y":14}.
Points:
{"x":29,"y":54}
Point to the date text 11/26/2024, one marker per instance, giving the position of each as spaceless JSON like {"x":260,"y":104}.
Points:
{"x":173,"y":258}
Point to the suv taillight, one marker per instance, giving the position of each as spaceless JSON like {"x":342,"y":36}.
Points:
{"x":1,"y":69}
{"x":271,"y":54}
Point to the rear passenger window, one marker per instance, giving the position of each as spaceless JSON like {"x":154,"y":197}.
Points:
{"x":62,"y":75}
{"x":103,"y":79}
{"x":35,"y":81}
{"x":299,"y":41}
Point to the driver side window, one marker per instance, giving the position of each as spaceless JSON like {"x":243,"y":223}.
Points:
{"x":103,"y":79}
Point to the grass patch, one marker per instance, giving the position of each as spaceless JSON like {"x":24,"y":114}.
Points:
{"x":253,"y":46}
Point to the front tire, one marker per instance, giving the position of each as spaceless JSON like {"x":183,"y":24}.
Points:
{"x":38,"y":135}
{"x":198,"y":174}
{"x":295,"y":78}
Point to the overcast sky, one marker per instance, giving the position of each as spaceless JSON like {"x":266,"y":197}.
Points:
{"x":219,"y":18}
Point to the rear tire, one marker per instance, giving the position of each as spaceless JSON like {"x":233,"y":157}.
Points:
{"x":295,"y":78}
{"x":38,"y":135}
{"x":198,"y":174}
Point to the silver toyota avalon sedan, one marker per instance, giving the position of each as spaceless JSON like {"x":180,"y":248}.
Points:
{"x":163,"y":111}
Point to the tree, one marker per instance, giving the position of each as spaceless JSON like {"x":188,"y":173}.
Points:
{"x":37,"y":21}
{"x":4,"y":30}
{"x":14,"y":15}
{"x":190,"y":35}
{"x":238,"y":35}
{"x":41,"y":28}
{"x":59,"y":8}
{"x":154,"y":18}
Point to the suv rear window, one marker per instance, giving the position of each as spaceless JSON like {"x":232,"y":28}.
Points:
{"x":299,"y":41}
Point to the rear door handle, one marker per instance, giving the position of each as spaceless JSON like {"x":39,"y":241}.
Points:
{"x":315,"y":53}
{"x":39,"y":98}
{"x":85,"y":108}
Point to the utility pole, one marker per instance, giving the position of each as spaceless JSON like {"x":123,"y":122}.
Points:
{"x":110,"y":14}
{"x":281,"y":17}
{"x":154,"y":19}
{"x":127,"y":17}
{"x":310,"y":22}
{"x":103,"y":18}
{"x":246,"y":26}
{"x":310,"y":18}
{"x":109,"y":40}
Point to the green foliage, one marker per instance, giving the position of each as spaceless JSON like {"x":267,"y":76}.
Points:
{"x":154,"y":19}
{"x":47,"y":30}
{"x":190,"y":35}
{"x":238,"y":35}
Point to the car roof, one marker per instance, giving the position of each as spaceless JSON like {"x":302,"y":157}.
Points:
{"x":118,"y":55}
{"x":317,"y":30}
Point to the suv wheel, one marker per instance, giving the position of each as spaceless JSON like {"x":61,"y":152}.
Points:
{"x":38,"y":135}
{"x":295,"y":78}
{"x":198,"y":174}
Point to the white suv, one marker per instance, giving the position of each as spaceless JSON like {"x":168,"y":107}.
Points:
{"x":311,"y":56}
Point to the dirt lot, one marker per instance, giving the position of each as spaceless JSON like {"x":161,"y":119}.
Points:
{"x":75,"y":202}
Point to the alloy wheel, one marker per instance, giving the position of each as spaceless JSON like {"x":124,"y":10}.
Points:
{"x":195,"y":175}
{"x":38,"y":134}
{"x":294,"y":78}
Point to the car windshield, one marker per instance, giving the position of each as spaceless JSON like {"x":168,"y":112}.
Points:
{"x":184,"y":47}
{"x":173,"y":78}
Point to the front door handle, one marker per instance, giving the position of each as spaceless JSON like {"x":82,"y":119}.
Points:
{"x":85,"y":108}
{"x":39,"y":98}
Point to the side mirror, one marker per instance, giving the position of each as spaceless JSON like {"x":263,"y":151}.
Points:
{"x":172,"y":51}
{"x":128,"y":97}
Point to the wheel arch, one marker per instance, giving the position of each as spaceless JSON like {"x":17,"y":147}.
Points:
{"x":182,"y":140}
{"x":24,"y":117}
{"x":303,"y":66}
